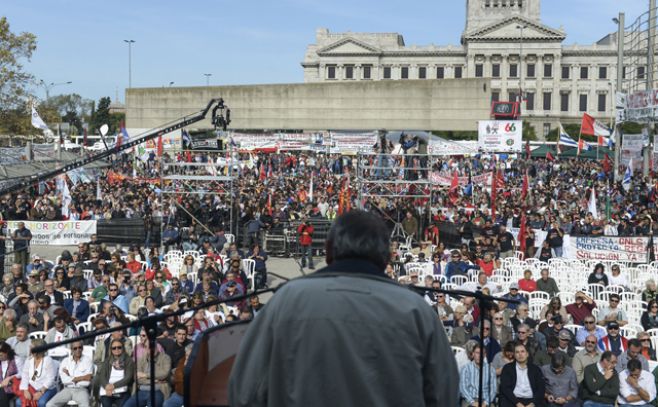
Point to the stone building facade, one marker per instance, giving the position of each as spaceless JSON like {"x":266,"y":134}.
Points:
{"x":503,"y":40}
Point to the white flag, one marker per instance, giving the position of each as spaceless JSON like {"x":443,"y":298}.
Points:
{"x":37,"y":121}
{"x":66,"y":196}
{"x":591,"y":207}
{"x":310,"y":188}
{"x":628,"y":176}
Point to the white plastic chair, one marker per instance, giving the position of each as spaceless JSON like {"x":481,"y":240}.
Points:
{"x":37,"y":335}
{"x":249,"y":266}
{"x":627,"y":332}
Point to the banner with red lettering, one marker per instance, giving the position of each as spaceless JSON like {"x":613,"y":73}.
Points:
{"x":64,"y":233}
{"x":445,"y":179}
{"x":607,"y":248}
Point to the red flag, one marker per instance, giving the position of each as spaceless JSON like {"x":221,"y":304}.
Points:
{"x":601,"y":141}
{"x":269,"y":204}
{"x":581,"y":145}
{"x":160,"y":147}
{"x":524,"y":190}
{"x":454,"y":183}
{"x":527,"y":149}
{"x":587,"y":125}
{"x":549,"y":156}
{"x":188,"y":156}
{"x":262,"y":175}
{"x":522,"y":232}
{"x":606,"y":163}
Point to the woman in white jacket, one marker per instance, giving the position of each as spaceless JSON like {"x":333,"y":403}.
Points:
{"x":38,"y":378}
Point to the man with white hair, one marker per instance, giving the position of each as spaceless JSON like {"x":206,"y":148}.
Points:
{"x":76,"y":372}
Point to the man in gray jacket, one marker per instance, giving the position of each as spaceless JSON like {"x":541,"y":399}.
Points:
{"x":346,"y":335}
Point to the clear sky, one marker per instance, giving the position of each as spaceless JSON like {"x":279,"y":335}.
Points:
{"x":241,"y":41}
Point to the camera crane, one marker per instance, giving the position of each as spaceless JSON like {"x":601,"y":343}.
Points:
{"x":221,"y":118}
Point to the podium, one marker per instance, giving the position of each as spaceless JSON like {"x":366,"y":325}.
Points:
{"x":208,"y":368}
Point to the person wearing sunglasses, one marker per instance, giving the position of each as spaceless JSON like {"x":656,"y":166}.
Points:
{"x":75,"y":372}
{"x":142,"y":374}
{"x":589,"y":355}
{"x":115,"y":376}
{"x":613,"y":312}
{"x":38,"y":378}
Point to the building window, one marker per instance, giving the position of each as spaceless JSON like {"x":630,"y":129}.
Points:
{"x":422,"y":72}
{"x":603,"y":72}
{"x":564,"y":102}
{"x":513,"y":97}
{"x":404,"y":72}
{"x":367,"y":71}
{"x":582,"y":104}
{"x":623,"y":73}
{"x":530,"y":101}
{"x":601,"y":105}
{"x":349,"y":71}
{"x":479,"y":70}
{"x":513,"y":71}
{"x":495,"y":71}
{"x":530,"y":71}
{"x":387,"y":72}
{"x":547,"y":129}
{"x":458,"y":72}
{"x":331,"y":72}
{"x":440,"y":72}
{"x":566,"y":71}
{"x":495,"y":96}
{"x":640,"y":72}
{"x":584,"y":72}
{"x":548,"y":70}
{"x":547,"y":100}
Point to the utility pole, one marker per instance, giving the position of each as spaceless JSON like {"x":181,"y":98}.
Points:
{"x":521,"y":27}
{"x":620,"y":77}
{"x":651,"y":48}
{"x":207,"y":75}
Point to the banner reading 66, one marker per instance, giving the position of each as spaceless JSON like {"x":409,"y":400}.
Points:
{"x":500,"y":136}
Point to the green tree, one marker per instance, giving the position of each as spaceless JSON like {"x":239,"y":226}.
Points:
{"x":14,"y":49}
{"x":101,"y":115}
{"x":72,"y":108}
{"x":528,"y":132}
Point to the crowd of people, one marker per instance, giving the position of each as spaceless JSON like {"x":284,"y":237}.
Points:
{"x":95,"y":287}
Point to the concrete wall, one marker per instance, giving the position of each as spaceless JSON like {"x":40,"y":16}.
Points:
{"x":411,"y":104}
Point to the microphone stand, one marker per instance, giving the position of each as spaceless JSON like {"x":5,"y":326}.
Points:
{"x":484,"y":304}
{"x":151,"y":324}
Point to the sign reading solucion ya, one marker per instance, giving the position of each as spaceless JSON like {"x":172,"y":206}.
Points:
{"x":500,"y":136}
{"x":64,"y":233}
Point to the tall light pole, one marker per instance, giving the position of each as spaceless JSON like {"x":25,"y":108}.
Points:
{"x":521,"y":27}
{"x":207,"y":75}
{"x":48,"y":86}
{"x":130,"y":62}
{"x":620,"y":77}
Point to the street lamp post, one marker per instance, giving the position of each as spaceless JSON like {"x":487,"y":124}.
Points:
{"x":521,"y":27}
{"x":130,"y":55}
{"x":48,"y":86}
{"x":207,"y":75}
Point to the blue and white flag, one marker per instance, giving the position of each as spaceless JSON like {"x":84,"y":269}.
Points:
{"x":187,"y":140}
{"x":628,"y":176}
{"x":565,"y":139}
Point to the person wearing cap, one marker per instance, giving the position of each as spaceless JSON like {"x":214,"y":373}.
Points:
{"x":581,"y":307}
{"x":613,"y":341}
{"x":634,"y":351}
{"x":187,"y":285}
{"x":514,"y":294}
{"x":78,"y":280}
{"x":269,"y":367}
{"x":34,"y":284}
{"x":566,"y":342}
{"x":613,"y":312}
{"x":36,"y":264}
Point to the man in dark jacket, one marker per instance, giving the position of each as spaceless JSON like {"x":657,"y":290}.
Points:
{"x":601,"y":388}
{"x":521,"y":382}
{"x":355,"y":323}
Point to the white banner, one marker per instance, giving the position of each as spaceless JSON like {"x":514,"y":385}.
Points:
{"x":342,"y":143}
{"x":608,"y":248}
{"x":633,"y":142}
{"x":64,"y":233}
{"x":451,"y":148}
{"x":498,"y":136}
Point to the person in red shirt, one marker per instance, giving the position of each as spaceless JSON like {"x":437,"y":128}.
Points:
{"x":487,"y":264}
{"x":581,"y":308}
{"x":305,"y":231}
{"x":527,"y":283}
{"x":133,"y":265}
